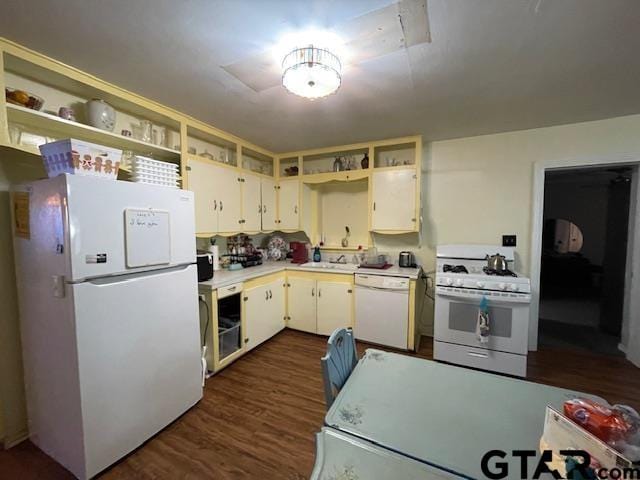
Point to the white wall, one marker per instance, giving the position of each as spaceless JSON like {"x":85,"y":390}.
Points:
{"x":12,"y":403}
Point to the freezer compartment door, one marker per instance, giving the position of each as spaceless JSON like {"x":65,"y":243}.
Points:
{"x":117,"y":227}
{"x":138,"y":342}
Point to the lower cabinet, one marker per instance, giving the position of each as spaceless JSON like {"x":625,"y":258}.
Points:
{"x":302,"y":304}
{"x":333,"y":306}
{"x":319,"y":303}
{"x":263,"y":310}
{"x":239,"y":317}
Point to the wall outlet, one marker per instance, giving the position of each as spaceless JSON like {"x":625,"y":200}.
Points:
{"x":508,"y":240}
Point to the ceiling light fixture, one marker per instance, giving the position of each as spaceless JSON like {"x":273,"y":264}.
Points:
{"x":311,"y":72}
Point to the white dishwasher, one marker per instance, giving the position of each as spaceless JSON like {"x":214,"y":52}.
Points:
{"x":382,"y":310}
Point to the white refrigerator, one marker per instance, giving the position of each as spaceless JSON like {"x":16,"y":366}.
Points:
{"x":109,"y":314}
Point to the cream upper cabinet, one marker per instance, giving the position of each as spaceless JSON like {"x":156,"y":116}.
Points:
{"x":268,"y":204}
{"x":302,"y":304}
{"x":229,"y":192}
{"x":201,"y":178}
{"x":263,"y":312}
{"x":334,"y":306}
{"x":288,"y":206}
{"x":251,"y":203}
{"x":394,"y":200}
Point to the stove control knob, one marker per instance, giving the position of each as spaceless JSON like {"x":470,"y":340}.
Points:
{"x":480,"y":284}
{"x":502,"y":286}
{"x":515,"y":287}
{"x":448,"y":281}
{"x":459,"y":282}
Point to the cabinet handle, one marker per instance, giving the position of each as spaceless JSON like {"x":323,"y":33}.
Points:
{"x":374,"y":206}
{"x":319,"y":293}
{"x":220,"y":205}
{"x":215,"y":205}
{"x":264,"y":209}
{"x":270,"y":294}
{"x":349,"y":291}
{"x":246,"y":340}
{"x":295,"y":209}
{"x":313,"y":292}
{"x":259,"y":208}
{"x":266,"y":295}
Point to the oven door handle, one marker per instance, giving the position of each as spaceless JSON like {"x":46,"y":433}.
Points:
{"x":493,"y":300}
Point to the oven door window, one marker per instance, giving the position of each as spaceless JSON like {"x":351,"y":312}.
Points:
{"x":463,"y":317}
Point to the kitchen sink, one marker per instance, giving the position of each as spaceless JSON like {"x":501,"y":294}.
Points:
{"x":352,"y":267}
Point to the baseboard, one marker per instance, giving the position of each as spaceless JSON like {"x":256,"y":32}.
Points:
{"x":13,"y":440}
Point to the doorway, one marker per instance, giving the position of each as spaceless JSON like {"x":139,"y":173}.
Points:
{"x":584,"y":258}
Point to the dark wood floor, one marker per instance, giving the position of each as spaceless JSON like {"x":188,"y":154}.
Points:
{"x":258,"y":417}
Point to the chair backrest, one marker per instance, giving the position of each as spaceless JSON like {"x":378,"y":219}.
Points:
{"x":339,"y":362}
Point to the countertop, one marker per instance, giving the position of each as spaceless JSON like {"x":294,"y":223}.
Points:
{"x":222,"y":278}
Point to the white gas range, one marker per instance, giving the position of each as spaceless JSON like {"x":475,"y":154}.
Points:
{"x":462,"y":282}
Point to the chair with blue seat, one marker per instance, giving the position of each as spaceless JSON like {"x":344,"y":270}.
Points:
{"x":339,"y":362}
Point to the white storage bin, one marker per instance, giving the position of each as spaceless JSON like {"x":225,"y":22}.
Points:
{"x":80,"y":158}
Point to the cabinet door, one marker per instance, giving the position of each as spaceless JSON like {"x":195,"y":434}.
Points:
{"x":275,"y":307}
{"x":229,"y":193}
{"x":334,"y":306}
{"x":255,"y":306}
{"x":251,"y":203}
{"x":288,"y":208}
{"x":394,"y":200}
{"x":302,"y":304}
{"x":268,"y":204}
{"x":264,"y":312}
{"x":201,"y":177}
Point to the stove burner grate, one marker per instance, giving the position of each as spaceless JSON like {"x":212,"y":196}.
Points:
{"x":503,"y":273}
{"x":455,"y":268}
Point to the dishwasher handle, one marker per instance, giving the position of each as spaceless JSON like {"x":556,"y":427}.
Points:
{"x":383,"y":289}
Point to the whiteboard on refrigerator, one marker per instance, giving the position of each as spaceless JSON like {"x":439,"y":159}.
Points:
{"x":147,"y":237}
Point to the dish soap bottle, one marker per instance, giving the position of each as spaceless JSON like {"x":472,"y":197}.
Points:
{"x":316,"y":254}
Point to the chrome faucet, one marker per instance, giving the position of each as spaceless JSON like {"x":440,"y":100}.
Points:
{"x":340,"y":259}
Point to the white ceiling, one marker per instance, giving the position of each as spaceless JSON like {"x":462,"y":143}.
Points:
{"x":492,"y":65}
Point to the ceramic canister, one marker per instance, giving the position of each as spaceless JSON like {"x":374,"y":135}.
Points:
{"x":101,"y":115}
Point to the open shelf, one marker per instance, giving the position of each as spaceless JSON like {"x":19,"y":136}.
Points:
{"x":338,"y":161}
{"x":54,"y":86}
{"x":257,"y":162}
{"x":288,"y":167}
{"x":212,"y":147}
{"x":400,"y":155}
{"x":46,"y":125}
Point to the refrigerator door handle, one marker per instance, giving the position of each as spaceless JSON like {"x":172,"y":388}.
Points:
{"x":134,"y":276}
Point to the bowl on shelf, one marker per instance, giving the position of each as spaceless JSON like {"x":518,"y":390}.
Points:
{"x":23,"y":98}
{"x":291,"y":171}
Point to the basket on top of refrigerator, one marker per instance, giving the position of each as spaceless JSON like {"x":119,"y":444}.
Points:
{"x":80,"y":158}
